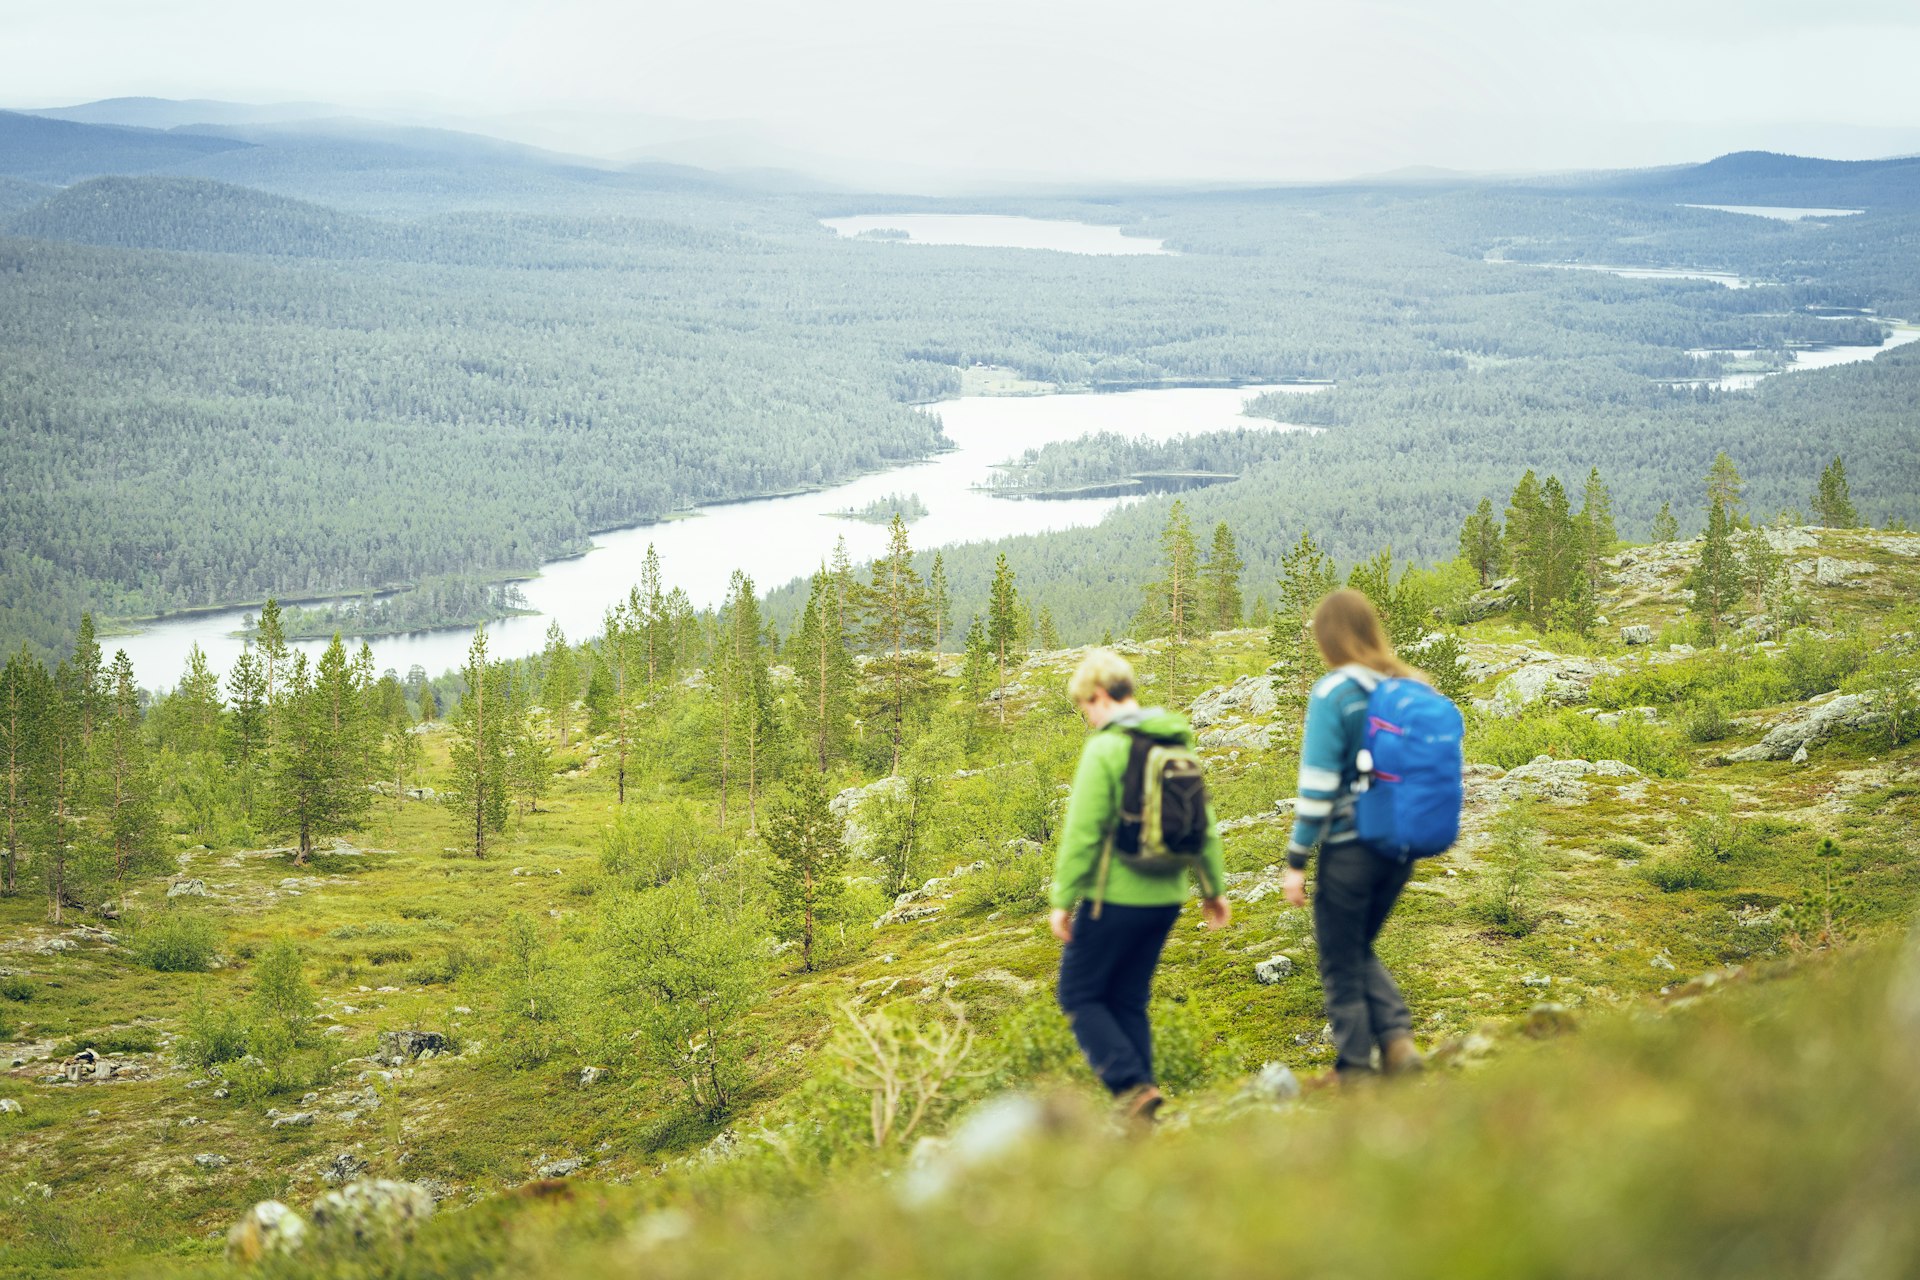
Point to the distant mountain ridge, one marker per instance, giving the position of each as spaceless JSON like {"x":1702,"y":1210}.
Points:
{"x":1769,"y":178}
{"x":63,"y":151}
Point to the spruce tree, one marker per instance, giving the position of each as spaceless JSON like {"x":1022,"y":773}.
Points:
{"x":478,"y":750}
{"x":1003,"y":622}
{"x":898,"y":625}
{"x":1832,"y":502}
{"x":1221,"y":574}
{"x":940,"y":599}
{"x":1049,"y":632}
{"x":403,"y":753}
{"x":823,"y":670}
{"x":560,"y":686}
{"x":1715,"y":580}
{"x":1761,"y":570}
{"x":24,"y":692}
{"x":1481,"y":545}
{"x":1665,"y":528}
{"x":1173,"y":606}
{"x":1306,"y":576}
{"x":301,"y":750}
{"x":89,"y":689}
{"x":976,"y":674}
{"x":1525,"y":540}
{"x":60,"y":770}
{"x":810,"y":863}
{"x":195,"y":706}
{"x":623,"y":657}
{"x":270,"y":638}
{"x":1595,"y":527}
{"x":130,"y":802}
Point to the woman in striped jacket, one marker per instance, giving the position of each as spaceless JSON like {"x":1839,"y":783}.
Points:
{"x":1356,"y":888}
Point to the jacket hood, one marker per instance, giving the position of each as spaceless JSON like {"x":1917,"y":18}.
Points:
{"x":1157,"y":721}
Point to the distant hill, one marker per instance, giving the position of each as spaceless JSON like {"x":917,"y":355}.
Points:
{"x":198,"y":215}
{"x":172,"y":113}
{"x":1767,"y":178}
{"x":63,"y":151}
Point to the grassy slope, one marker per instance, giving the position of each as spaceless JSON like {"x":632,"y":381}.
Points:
{"x":125,"y":1188}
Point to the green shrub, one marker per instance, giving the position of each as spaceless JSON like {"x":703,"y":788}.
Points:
{"x":1705,"y":721}
{"x":16,"y":988}
{"x":175,"y":940}
{"x":1031,"y":1042}
{"x":1016,"y":884}
{"x":281,"y":999}
{"x":1566,"y":734}
{"x":1506,"y":892}
{"x":377,"y":956}
{"x":215,"y":1033}
{"x":646,"y":845}
{"x":1673,"y":872}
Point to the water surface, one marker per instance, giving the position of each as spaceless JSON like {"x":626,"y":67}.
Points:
{"x":995,"y":231}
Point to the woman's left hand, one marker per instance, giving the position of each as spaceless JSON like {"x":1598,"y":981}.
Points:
{"x":1293,"y":886}
{"x":1060,"y":920}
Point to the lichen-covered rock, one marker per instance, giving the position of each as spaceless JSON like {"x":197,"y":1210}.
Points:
{"x":1239,"y":737}
{"x":1273,"y":970}
{"x":373,"y":1209}
{"x":1549,"y":678}
{"x":1558,"y":780}
{"x":210,"y":1161}
{"x":1811,"y":725}
{"x":344,"y":1167}
{"x":187,"y":889}
{"x":395,"y":1048}
{"x":267,"y":1228}
{"x":561,"y":1168}
{"x":1826,"y":571}
{"x":1639,"y":633}
{"x":1247,"y":696}
{"x":290,"y":1119}
{"x":1273,"y":1082}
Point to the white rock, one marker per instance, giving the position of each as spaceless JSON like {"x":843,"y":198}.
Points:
{"x":1272,"y":970}
{"x":267,"y":1228}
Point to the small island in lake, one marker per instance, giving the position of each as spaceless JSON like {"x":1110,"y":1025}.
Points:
{"x":908,"y":507}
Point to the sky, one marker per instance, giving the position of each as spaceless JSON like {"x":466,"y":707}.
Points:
{"x":1035,"y":90}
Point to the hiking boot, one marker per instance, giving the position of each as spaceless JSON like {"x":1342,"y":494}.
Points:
{"x":1399,"y":1057}
{"x":1141,"y":1105}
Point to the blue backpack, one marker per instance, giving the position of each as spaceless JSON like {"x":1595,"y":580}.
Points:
{"x":1411,"y":786}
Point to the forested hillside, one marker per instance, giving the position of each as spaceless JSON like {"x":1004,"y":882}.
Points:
{"x":305,"y":401}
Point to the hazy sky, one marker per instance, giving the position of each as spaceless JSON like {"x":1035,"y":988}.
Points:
{"x":1175,"y":90}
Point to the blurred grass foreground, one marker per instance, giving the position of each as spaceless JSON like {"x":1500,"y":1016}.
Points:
{"x":1764,"y":1125}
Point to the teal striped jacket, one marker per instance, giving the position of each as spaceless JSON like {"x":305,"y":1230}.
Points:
{"x":1336,"y":729}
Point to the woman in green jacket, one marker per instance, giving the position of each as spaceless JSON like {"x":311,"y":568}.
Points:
{"x":1113,"y":943}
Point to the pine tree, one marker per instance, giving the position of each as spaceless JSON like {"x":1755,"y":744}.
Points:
{"x":1665,"y":527}
{"x":270,"y":638}
{"x":1306,"y":576}
{"x":298,"y":780}
{"x":1715,"y":580}
{"x":60,"y":770}
{"x":752,"y":708}
{"x":1003,"y":621}
{"x":561,"y":685}
{"x":478,"y":751}
{"x":940,"y":598}
{"x":403,"y":753}
{"x":976,"y":674}
{"x":1725,"y":486}
{"x":89,"y":689}
{"x":898,"y":624}
{"x":130,"y":804}
{"x":1173,"y":607}
{"x":1832,"y":503}
{"x":1221,"y":581}
{"x":1402,"y":608}
{"x":1481,"y":545}
{"x":429,"y":704}
{"x":624,"y":652}
{"x":823,"y":670}
{"x":529,"y":760}
{"x":805,"y":840}
{"x":1760,"y":569}
{"x":1524,"y":516}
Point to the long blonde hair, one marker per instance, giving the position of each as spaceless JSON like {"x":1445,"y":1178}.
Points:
{"x":1347,"y":629}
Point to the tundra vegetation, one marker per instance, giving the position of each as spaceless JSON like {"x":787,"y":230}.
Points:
{"x":668,"y":946}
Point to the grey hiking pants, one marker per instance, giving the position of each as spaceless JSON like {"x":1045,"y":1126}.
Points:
{"x":1352,"y":899}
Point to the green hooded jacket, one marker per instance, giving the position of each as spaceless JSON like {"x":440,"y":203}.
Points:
{"x":1093,"y":810}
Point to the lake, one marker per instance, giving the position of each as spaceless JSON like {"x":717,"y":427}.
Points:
{"x":994,"y":231}
{"x":1805,"y":358}
{"x":778,"y":539}
{"x":1778,"y":212}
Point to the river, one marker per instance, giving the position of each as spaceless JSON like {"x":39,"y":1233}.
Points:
{"x":1803,"y":358}
{"x":995,"y":231}
{"x":778,"y":539}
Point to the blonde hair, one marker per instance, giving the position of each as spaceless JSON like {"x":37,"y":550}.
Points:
{"x":1347,"y":629}
{"x":1101,"y":669}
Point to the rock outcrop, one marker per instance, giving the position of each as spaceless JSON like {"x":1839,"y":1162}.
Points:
{"x":396,"y":1048}
{"x":1811,"y":725}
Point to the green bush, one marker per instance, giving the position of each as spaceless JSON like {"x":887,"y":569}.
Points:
{"x":1705,"y":721}
{"x":281,"y":999}
{"x":215,"y":1033}
{"x":1673,"y":872}
{"x":1506,"y":892}
{"x":116,"y":1040}
{"x":1017,"y":883}
{"x":175,"y":940}
{"x":16,"y":988}
{"x":1566,"y":734}
{"x":646,"y":845}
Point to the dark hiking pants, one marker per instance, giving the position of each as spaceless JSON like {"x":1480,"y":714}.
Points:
{"x":1355,"y":893}
{"x":1106,"y":973}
